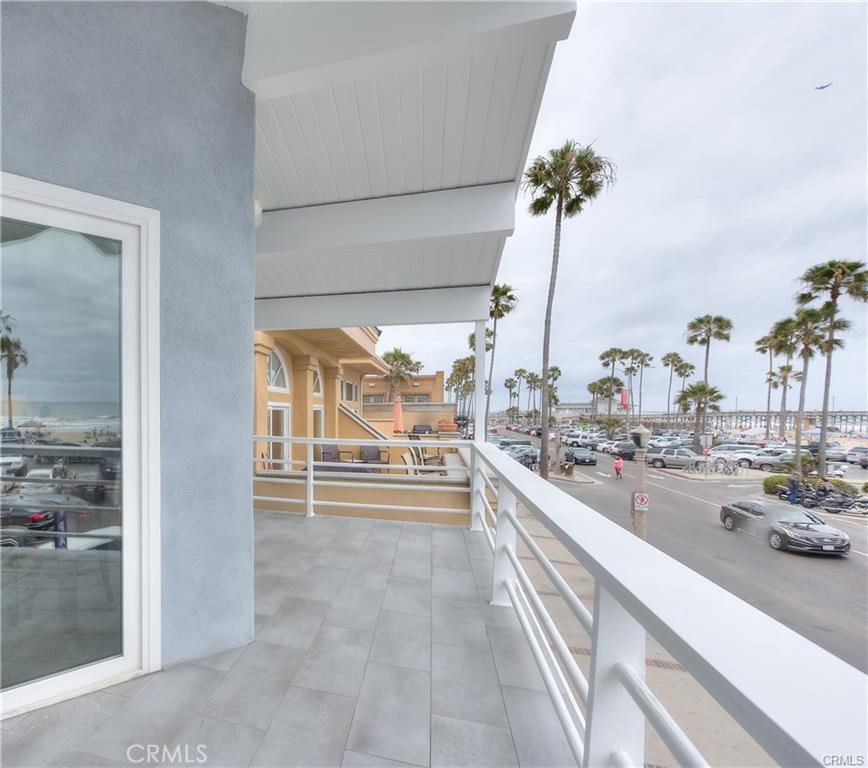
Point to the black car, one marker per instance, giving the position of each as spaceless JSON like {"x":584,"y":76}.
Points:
{"x":787,"y":526}
{"x":14,"y":516}
{"x":422,"y":429}
{"x":581,"y":456}
{"x":626,"y":450}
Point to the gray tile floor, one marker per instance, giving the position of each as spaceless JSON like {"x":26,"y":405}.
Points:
{"x":375,"y":646}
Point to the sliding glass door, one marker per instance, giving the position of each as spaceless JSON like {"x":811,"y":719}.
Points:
{"x":71,"y":458}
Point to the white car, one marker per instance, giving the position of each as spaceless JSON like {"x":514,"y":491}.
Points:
{"x":12,"y":465}
{"x":742,"y":455}
{"x":852,"y":456}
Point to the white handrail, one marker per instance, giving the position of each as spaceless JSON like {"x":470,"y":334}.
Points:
{"x":574,"y":740}
{"x":748,"y":671}
{"x":682,"y":749}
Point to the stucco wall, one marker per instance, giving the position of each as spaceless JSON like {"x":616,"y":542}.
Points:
{"x":143,"y":102}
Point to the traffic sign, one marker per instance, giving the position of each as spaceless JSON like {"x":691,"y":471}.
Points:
{"x":706,"y":450}
{"x":640,"y":502}
{"x":706,"y":439}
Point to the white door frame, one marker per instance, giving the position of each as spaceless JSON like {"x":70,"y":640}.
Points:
{"x":287,"y":451}
{"x":138,"y":229}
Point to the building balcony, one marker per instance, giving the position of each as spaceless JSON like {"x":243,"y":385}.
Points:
{"x":533,"y":632}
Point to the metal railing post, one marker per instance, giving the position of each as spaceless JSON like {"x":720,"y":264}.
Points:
{"x":309,"y":483}
{"x":614,"y":723}
{"x":504,"y":539}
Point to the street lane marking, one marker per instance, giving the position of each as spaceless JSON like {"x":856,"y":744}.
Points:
{"x":751,"y":485}
{"x":603,"y":474}
{"x":657,"y":477}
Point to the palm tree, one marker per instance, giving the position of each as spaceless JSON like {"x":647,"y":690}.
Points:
{"x":811,"y":333}
{"x":568,"y":178}
{"x":510,"y":388}
{"x":15,"y":356}
{"x":701,"y":330}
{"x":832,"y":279}
{"x":520,"y":375}
{"x":784,"y":343}
{"x":13,"y":353}
{"x":670,"y":360}
{"x":703,"y":398}
{"x":684,"y":370}
{"x":610,"y":358}
{"x":643,"y":360}
{"x":610,"y":424}
{"x":401,"y":366}
{"x":501,"y":302}
{"x":594,"y":390}
{"x":765,"y":345}
{"x":534,"y":382}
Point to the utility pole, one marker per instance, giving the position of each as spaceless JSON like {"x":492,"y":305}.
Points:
{"x":639,"y":499}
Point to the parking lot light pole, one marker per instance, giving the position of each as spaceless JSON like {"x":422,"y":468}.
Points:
{"x":639,"y":504}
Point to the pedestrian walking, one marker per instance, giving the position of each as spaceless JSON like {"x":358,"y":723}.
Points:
{"x":618,"y":465}
{"x":793,"y":488}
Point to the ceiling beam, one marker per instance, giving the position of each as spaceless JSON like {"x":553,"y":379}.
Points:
{"x":422,"y":307}
{"x":487,"y":210}
{"x":301,"y":47}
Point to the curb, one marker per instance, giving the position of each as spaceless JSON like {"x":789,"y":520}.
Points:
{"x":700,"y":479}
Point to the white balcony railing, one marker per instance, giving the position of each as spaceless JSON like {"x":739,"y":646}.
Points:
{"x":801,"y":704}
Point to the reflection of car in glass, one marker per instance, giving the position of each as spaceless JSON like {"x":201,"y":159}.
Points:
{"x":581,"y":456}
{"x":36,"y":513}
{"x":110,"y":469}
{"x":89,"y":489}
{"x":12,"y":465}
{"x":788,"y":526}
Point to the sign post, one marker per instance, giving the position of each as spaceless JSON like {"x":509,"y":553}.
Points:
{"x":705,"y":440}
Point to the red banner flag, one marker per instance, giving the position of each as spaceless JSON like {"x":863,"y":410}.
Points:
{"x":625,"y":399}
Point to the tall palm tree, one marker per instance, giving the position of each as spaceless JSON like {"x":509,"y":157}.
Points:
{"x":594,"y":389}
{"x":765,"y":345}
{"x":401,"y":366}
{"x":534,"y":382}
{"x":811,"y":335}
{"x":832,"y":280}
{"x":702,"y":398}
{"x":568,"y":178}
{"x":784,"y":343}
{"x":670,"y":360}
{"x":501,"y":302}
{"x":701,"y":330}
{"x":510,"y":388}
{"x":643,"y":360}
{"x":520,"y":375}
{"x":15,"y":356}
{"x":684,"y":370}
{"x":610,"y":358}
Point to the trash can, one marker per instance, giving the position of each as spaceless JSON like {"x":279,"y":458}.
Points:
{"x":568,"y":468}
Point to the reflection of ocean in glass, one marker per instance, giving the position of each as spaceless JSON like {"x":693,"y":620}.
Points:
{"x":61,"y":460}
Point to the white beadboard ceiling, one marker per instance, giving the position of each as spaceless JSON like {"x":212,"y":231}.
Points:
{"x":375,"y":101}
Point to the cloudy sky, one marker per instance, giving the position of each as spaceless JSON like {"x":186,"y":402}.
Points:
{"x":63,"y":292}
{"x":734,"y":176}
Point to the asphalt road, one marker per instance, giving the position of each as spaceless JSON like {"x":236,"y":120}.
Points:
{"x":823,"y":598}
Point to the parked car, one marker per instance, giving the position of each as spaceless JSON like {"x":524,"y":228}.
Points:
{"x":581,"y":456}
{"x":787,"y":526}
{"x":511,"y":442}
{"x":814,"y":447}
{"x":836,"y":453}
{"x":783,"y":462}
{"x":89,"y":487}
{"x":12,"y":465}
{"x":672,"y":457}
{"x":625,"y":449}
{"x":743,"y":456}
{"x":855,"y":453}
{"x":518,"y":452}
{"x":422,"y":429}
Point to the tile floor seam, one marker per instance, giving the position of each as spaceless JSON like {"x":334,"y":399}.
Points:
{"x":373,"y":639}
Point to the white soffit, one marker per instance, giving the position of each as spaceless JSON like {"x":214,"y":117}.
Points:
{"x":390,"y":138}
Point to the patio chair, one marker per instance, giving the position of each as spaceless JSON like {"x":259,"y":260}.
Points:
{"x":370,"y":454}
{"x":331,"y":454}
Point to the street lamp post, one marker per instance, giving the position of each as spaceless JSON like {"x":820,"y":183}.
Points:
{"x":639,"y":505}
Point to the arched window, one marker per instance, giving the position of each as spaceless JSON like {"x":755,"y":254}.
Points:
{"x":276,"y":373}
{"x":317,"y":382}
